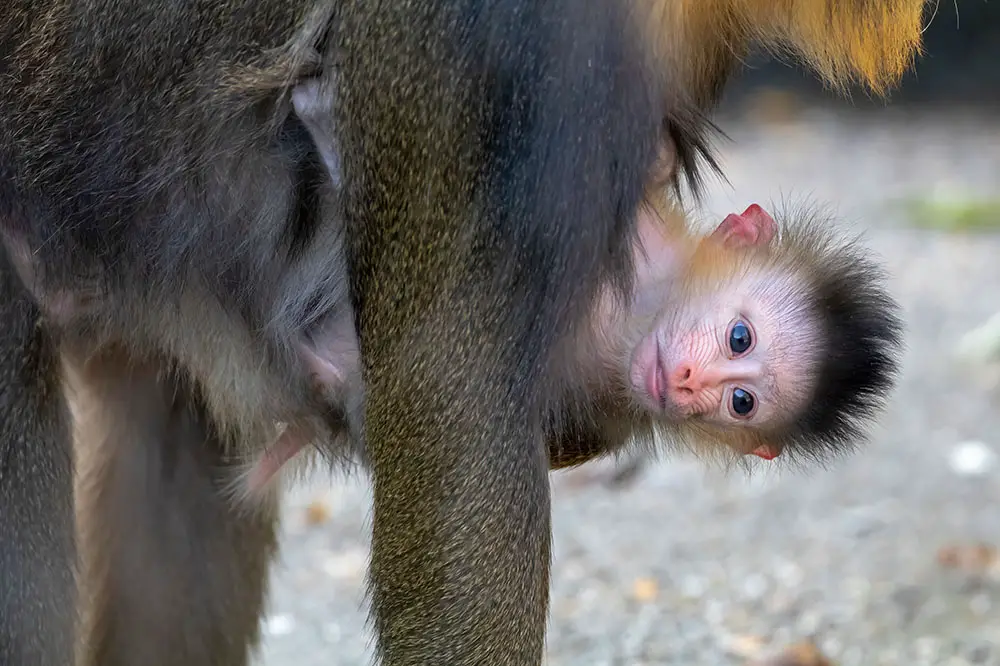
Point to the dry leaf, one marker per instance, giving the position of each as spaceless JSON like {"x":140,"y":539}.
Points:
{"x":803,"y":654}
{"x":645,"y":589}
{"x":973,"y":557}
{"x":317,"y":512}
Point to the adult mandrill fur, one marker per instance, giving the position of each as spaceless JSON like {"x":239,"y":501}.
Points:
{"x":175,"y":253}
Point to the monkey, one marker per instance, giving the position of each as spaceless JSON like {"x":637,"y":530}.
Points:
{"x":168,"y":237}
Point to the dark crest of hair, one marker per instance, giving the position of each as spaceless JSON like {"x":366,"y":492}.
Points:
{"x":861,"y":342}
{"x":692,"y":132}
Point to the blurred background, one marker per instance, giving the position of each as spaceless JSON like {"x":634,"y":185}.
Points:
{"x":887,"y":558}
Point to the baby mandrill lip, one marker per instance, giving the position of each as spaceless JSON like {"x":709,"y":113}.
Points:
{"x":656,"y":382}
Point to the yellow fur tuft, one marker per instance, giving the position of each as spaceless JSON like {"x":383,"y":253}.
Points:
{"x":872,"y":42}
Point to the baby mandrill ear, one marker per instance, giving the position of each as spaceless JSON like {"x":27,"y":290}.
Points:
{"x":767,"y":451}
{"x":752,"y":227}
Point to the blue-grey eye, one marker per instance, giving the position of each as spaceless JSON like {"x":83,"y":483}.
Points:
{"x":740,"y":338}
{"x":742,"y":402}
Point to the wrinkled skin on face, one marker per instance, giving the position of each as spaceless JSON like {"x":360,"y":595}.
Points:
{"x":730,"y":343}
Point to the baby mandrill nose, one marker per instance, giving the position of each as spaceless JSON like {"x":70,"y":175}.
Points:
{"x":683,"y":382}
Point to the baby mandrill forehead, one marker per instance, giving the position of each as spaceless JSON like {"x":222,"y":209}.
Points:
{"x":787,"y":323}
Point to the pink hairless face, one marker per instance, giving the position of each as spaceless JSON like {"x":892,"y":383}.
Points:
{"x":710,"y":358}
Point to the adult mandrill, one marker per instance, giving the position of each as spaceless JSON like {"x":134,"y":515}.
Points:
{"x":169,"y":231}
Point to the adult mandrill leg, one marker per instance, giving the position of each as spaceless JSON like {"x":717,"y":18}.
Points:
{"x":174,"y":569}
{"x":37,"y":546}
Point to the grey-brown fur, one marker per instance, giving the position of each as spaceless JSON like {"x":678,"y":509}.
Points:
{"x":172,"y":573}
{"x":36,"y":510}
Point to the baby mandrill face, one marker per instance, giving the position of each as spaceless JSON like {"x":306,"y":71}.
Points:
{"x":734,"y":345}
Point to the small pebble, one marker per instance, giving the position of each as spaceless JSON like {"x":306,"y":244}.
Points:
{"x":692,"y":587}
{"x":980,"y":604}
{"x":972,"y":459}
{"x":745,"y":646}
{"x":755,"y":586}
{"x":927,"y":647}
{"x":789,"y":573}
{"x":332,"y":632}
{"x":808,"y":623}
{"x":347,"y":565}
{"x":981,"y":343}
{"x":279,"y":625}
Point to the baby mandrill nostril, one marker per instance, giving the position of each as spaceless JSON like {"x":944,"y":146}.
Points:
{"x":681,"y":379}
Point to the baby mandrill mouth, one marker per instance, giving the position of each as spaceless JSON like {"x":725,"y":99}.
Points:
{"x":647,"y":380}
{"x":656,"y":379}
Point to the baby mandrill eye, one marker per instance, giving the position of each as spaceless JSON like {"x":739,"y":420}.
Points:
{"x":740,"y":338}
{"x":743,"y":402}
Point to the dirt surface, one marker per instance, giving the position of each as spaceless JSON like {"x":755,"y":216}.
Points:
{"x":875,"y":558}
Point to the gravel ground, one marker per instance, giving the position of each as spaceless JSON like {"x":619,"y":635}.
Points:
{"x":687,"y":565}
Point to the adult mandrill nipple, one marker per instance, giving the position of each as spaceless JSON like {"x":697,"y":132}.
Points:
{"x":270,"y":462}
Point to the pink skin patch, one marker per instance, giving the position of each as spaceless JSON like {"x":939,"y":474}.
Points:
{"x":324,"y":374}
{"x":751,"y":227}
{"x":767,"y":452}
{"x":698,"y":387}
{"x":287,"y":447}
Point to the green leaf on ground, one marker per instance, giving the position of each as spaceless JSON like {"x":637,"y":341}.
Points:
{"x":953,"y":214}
